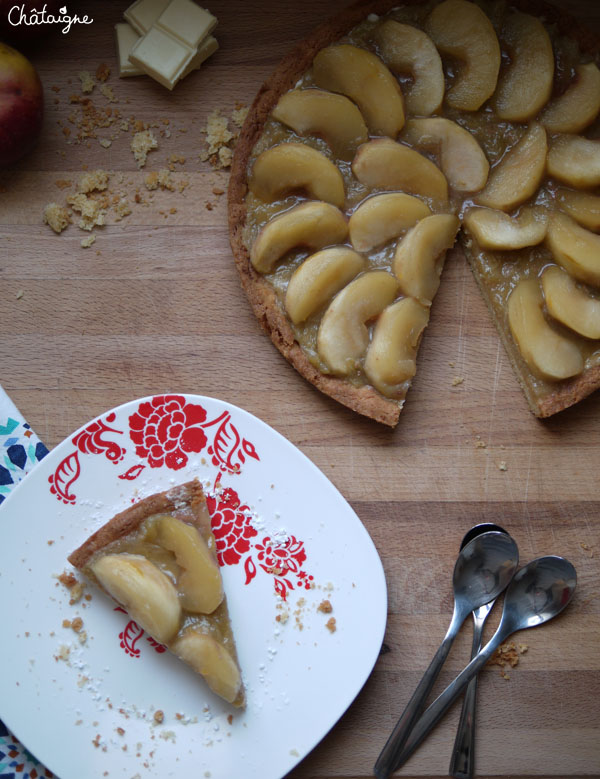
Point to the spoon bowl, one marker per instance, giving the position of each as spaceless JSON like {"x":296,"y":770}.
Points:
{"x":538,"y":593}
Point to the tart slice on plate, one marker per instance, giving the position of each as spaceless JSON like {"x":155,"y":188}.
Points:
{"x":157,"y":559}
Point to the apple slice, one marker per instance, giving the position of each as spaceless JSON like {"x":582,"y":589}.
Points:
{"x":518,"y":174}
{"x":575,"y":161}
{"x":380,"y":218}
{"x":461,"y":158}
{"x":526,"y":85}
{"x":575,"y":248}
{"x":578,"y":106}
{"x":211,"y":660}
{"x":569,"y":304}
{"x":497,"y":231}
{"x":317,"y":280}
{"x":385,"y":164}
{"x":343,"y":336}
{"x":361,"y":75}
{"x":420,"y":255}
{"x":199,"y":582}
{"x":582,"y":206}
{"x":407,"y":50}
{"x":289,"y":167}
{"x":143,"y":590}
{"x":391,"y":358}
{"x":461,"y":30}
{"x":313,"y":224}
{"x":332,"y":117}
{"x":548,"y":354}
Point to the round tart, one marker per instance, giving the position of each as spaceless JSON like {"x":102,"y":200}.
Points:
{"x":393,"y":131}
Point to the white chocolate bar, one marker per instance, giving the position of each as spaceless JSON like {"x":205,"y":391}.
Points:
{"x":187,"y":22}
{"x":161,"y":56}
{"x":143,"y":13}
{"x":127,"y":37}
{"x":176,"y":41}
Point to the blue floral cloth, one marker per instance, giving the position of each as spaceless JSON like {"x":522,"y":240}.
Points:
{"x":20,"y":450}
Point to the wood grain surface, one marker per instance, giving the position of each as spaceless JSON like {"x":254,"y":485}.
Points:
{"x":155,"y":306}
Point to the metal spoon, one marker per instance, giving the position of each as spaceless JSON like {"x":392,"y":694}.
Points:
{"x":462,"y":762}
{"x":539,"y":592}
{"x":482,"y":571}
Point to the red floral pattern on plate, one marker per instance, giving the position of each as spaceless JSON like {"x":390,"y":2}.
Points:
{"x":165,"y":431}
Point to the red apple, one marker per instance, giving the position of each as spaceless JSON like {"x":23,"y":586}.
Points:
{"x":21,"y":105}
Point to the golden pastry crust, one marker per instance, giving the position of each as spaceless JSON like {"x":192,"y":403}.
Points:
{"x":186,"y":499}
{"x":363,"y":399}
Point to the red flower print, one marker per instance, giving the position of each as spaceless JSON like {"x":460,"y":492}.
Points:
{"x":231,"y":526}
{"x":281,"y":558}
{"x":165,"y":429}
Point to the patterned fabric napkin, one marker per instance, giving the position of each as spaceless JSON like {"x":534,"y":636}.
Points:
{"x":20,"y":450}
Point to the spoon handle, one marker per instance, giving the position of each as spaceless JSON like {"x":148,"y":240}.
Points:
{"x":387,"y":759}
{"x":462,"y":763}
{"x":443,"y":702}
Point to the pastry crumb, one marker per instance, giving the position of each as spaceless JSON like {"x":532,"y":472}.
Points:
{"x":87,"y":242}
{"x":330,"y":625}
{"x":87,"y":81}
{"x":159,"y":716}
{"x":56,"y":217}
{"x":142,"y":143}
{"x":325,"y":607}
{"x":95,"y":180}
{"x":502,"y":466}
{"x":457,"y":380}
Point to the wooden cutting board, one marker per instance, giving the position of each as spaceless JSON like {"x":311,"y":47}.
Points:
{"x":155,"y":305}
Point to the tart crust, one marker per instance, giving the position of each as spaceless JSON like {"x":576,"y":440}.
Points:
{"x":365,"y":399}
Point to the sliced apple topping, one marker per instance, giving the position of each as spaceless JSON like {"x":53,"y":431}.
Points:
{"x":461,"y":30}
{"x":380,"y":218}
{"x":211,"y":659}
{"x":313,"y":225}
{"x":578,"y":106}
{"x":385,"y":164}
{"x":575,"y":248}
{"x":518,"y":174}
{"x":569,"y":304}
{"x":500,"y":232}
{"x":391,"y":356}
{"x":575,"y":161}
{"x":461,"y":158}
{"x":420,"y":255}
{"x":317,"y":280}
{"x":343,"y":335}
{"x":199,"y":583}
{"x":143,"y":590}
{"x":526,"y":85}
{"x":546,"y":352}
{"x":361,"y":75}
{"x":582,"y":206}
{"x":326,"y":115}
{"x":289,"y":167}
{"x":407,"y":50}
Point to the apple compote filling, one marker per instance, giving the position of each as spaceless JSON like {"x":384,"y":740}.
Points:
{"x":434,"y":115}
{"x":166,"y":575}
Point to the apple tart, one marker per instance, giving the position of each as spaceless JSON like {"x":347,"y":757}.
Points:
{"x":379,"y":137}
{"x":157,"y":559}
